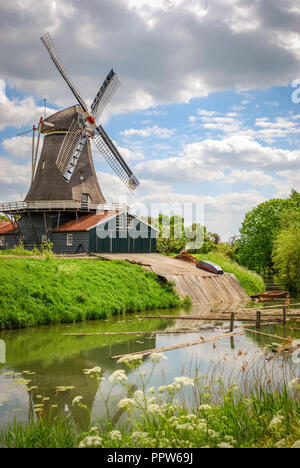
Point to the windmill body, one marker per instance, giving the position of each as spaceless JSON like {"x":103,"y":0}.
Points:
{"x":48,"y":183}
{"x":65,"y":204}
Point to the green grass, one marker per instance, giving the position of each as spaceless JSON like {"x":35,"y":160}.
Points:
{"x":20,"y":251}
{"x":51,"y":291}
{"x":251,"y":281}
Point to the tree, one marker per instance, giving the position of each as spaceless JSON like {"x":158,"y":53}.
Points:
{"x":286,"y":257}
{"x":259,"y":230}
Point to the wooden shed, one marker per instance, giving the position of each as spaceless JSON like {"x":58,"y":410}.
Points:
{"x":108,"y":232}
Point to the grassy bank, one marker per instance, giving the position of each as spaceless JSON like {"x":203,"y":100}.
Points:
{"x":155,"y":419}
{"x":251,"y":281}
{"x":48,"y":291}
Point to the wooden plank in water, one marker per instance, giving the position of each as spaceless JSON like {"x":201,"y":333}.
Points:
{"x":159,"y":332}
{"x":180,"y":346}
{"x":199,"y":317}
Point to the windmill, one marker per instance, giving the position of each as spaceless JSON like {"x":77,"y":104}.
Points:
{"x":85,"y":127}
{"x":65,"y":203}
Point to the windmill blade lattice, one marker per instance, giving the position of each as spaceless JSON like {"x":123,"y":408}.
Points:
{"x":112,"y":156}
{"x":110,"y":86}
{"x":68,"y":148}
{"x":47,"y":41}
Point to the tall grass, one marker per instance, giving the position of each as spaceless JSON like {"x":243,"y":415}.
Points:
{"x":252,"y":282}
{"x":160,"y":418}
{"x":50,"y":291}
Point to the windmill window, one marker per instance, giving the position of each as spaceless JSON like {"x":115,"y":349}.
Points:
{"x":119,"y":223}
{"x":69,"y":240}
{"x":130,"y":223}
{"x":2,"y":241}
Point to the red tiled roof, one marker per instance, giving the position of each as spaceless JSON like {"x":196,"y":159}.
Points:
{"x":84,"y":222}
{"x":6,"y":227}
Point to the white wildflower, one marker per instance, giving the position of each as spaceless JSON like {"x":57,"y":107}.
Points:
{"x":94,"y":370}
{"x":115,"y":435}
{"x":90,"y":441}
{"x":117,"y":377}
{"x":126,"y":403}
{"x":294,"y":383}
{"x":153,"y":409}
{"x":276,"y":421}
{"x":162,"y":388}
{"x":280,"y":444}
{"x":152,"y":390}
{"x":127,"y":359}
{"x":213,"y":434}
{"x":230,"y":439}
{"x":224,"y":445}
{"x":139,"y":435}
{"x":205,"y":408}
{"x":202,"y":426}
{"x":94,"y":431}
{"x":174,"y":387}
{"x":77,"y":400}
{"x":157,"y":357}
{"x":184,"y":381}
{"x":139,"y":395}
{"x":185,"y":427}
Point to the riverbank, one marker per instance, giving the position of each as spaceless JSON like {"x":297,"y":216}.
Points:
{"x":51,"y":291}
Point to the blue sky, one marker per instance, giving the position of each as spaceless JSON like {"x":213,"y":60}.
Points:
{"x":205,"y":114}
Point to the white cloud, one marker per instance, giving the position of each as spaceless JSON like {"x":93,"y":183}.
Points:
{"x":156,"y":131}
{"x":208,"y":159}
{"x":158,"y":50}
{"x":17,"y":113}
{"x":20,"y":147}
{"x":130,"y":155}
{"x":281,"y":127}
{"x":254,"y":178}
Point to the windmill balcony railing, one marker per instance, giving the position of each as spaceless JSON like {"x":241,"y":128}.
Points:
{"x":63,"y":205}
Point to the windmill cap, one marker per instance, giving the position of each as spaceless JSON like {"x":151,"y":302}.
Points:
{"x":61,"y":119}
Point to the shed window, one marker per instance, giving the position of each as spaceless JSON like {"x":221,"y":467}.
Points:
{"x":119,"y":223}
{"x":44,"y":238}
{"x":69,"y":240}
{"x":2,"y":241}
{"x":130,"y":223}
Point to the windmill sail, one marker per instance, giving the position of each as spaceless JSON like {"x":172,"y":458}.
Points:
{"x":71,"y":148}
{"x":47,"y":41}
{"x":110,"y":86}
{"x":112,"y":156}
{"x":85,"y":127}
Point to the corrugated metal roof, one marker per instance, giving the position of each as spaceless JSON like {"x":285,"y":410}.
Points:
{"x":85,"y":223}
{"x":6,"y":227}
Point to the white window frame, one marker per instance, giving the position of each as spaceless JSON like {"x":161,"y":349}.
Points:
{"x":119,"y":222}
{"x":69,"y":240}
{"x":44,"y":238}
{"x":2,"y":241}
{"x":129,"y":222}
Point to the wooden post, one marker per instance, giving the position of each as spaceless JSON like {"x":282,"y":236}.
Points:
{"x":232,"y":322}
{"x":284,"y":315}
{"x":258,"y":319}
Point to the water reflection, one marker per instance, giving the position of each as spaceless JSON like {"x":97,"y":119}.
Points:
{"x":54,"y":363}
